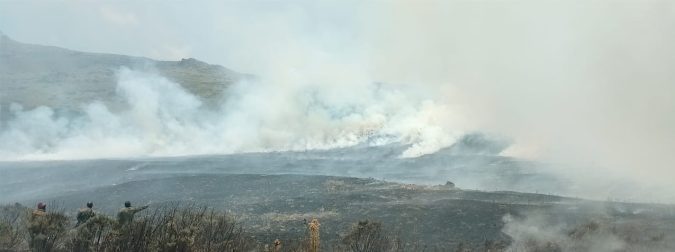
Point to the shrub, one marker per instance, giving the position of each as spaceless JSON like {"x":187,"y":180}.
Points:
{"x":168,"y":228}
{"x":367,"y":236}
{"x":12,"y":226}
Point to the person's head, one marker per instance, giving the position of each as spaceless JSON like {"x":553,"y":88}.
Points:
{"x":42,"y":206}
{"x":127,"y":204}
{"x":90,"y":204}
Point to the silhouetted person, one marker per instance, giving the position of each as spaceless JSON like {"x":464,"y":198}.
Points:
{"x":126,"y":214}
{"x":84,"y":214}
{"x":37,"y":228}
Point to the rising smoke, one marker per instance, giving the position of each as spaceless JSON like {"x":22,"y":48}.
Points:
{"x":587,"y":227}
{"x":162,"y":119}
{"x":584,"y":84}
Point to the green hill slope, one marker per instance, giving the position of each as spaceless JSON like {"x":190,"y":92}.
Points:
{"x":36,"y":75}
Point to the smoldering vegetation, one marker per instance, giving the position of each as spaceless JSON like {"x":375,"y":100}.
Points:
{"x":470,"y":163}
{"x":274,"y":149}
{"x":612,"y":228}
{"x":139,"y":110}
{"x":115,"y":106}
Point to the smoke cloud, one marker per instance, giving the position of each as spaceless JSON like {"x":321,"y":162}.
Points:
{"x":587,"y":227}
{"x":583,"y":85}
{"x":586,"y":86}
{"x":162,"y":119}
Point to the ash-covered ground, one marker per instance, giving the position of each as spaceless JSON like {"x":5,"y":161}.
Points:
{"x":492,"y":201}
{"x":273,"y":194}
{"x":472,"y":163}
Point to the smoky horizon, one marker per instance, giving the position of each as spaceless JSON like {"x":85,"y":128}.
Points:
{"x":584,"y":87}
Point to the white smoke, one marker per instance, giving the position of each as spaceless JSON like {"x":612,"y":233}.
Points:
{"x":590,"y":229}
{"x":585,"y":84}
{"x":536,"y":233}
{"x":163,"y":119}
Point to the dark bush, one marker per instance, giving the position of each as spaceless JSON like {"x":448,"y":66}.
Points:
{"x":367,"y":236}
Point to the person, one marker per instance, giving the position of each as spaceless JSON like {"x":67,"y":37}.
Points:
{"x":126,"y":214}
{"x":84,"y":214}
{"x":84,"y":232}
{"x":41,"y":210}
{"x":38,"y":228}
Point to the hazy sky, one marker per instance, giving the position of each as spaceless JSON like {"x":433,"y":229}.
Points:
{"x":580,"y":82}
{"x":230,"y":33}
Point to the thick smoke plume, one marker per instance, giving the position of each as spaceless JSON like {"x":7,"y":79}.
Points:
{"x":584,"y":85}
{"x":162,"y":119}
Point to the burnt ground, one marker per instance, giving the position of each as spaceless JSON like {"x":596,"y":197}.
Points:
{"x":273,"y":194}
{"x":277,"y":206}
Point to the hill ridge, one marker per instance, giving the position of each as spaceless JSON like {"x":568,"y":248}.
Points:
{"x":41,"y":75}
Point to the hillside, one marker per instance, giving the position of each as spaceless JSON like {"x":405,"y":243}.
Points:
{"x":36,"y":75}
{"x":437,"y":217}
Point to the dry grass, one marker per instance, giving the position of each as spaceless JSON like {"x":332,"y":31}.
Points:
{"x":12,"y":223}
{"x":167,"y":228}
{"x":314,"y":235}
{"x":173,"y":227}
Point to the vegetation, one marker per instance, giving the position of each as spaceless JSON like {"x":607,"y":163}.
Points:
{"x":176,"y":227}
{"x":168,"y":228}
{"x":368,"y":236}
{"x":12,"y":220}
{"x":172,"y":227}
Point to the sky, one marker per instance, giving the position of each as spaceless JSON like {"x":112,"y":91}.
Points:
{"x":178,"y":29}
{"x":585,"y":83}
